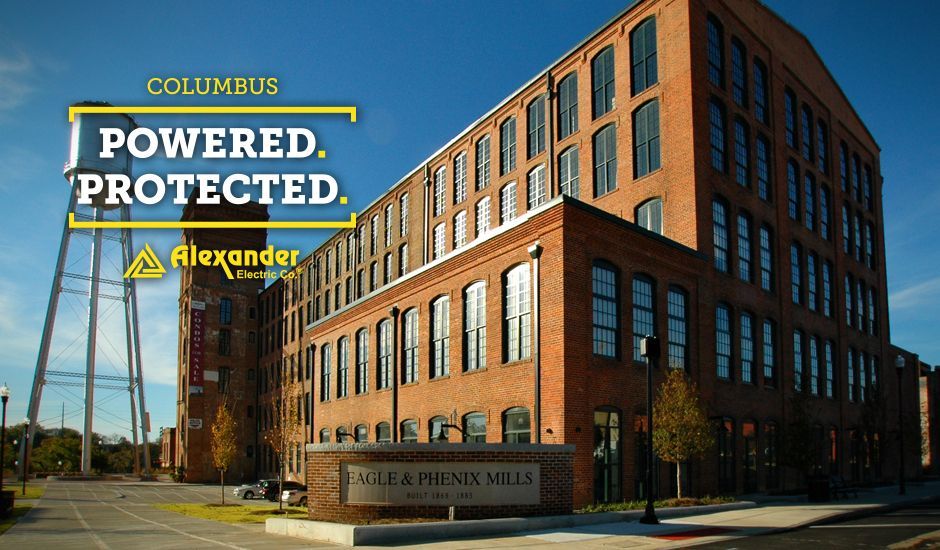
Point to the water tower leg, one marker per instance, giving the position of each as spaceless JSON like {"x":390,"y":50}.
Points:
{"x":135,"y":326}
{"x":126,"y":261}
{"x":88,"y":433}
{"x":39,"y":379}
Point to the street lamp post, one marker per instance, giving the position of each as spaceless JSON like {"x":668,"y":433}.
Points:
{"x":25,"y":456}
{"x":899,"y":367}
{"x":5,"y":396}
{"x":649,"y":348}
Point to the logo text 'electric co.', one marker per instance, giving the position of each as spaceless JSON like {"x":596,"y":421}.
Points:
{"x":269,"y":263}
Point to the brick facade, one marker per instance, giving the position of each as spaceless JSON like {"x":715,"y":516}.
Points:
{"x":323,"y":478}
{"x":828,"y":348}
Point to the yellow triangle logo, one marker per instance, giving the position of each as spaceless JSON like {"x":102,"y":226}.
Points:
{"x":145,"y":266}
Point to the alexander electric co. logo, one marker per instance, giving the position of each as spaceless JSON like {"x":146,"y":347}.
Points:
{"x":236,"y":264}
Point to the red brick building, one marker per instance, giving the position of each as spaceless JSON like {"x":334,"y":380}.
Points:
{"x":691,"y":170}
{"x":218,"y":353}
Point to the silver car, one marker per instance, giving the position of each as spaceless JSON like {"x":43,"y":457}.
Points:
{"x":248,"y":491}
{"x":295,"y":496}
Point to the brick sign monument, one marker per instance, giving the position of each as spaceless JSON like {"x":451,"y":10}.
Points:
{"x":365,"y":481}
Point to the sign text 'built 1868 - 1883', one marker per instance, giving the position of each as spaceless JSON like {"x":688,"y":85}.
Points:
{"x":439,"y":483}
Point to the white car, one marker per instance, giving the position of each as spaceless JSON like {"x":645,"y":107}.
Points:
{"x":295,"y":496}
{"x":248,"y":491}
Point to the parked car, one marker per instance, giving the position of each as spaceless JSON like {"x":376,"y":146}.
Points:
{"x":249,"y":490}
{"x":270,"y":489}
{"x":294,"y":496}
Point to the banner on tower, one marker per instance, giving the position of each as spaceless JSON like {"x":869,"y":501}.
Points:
{"x":197,"y":340}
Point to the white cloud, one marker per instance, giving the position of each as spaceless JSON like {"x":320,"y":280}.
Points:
{"x":919,"y":295}
{"x":16,"y":80}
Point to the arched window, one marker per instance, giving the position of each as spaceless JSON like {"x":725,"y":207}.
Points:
{"x":762,"y":147}
{"x":569,"y":172}
{"x":738,"y":73}
{"x":760,"y":91}
{"x":742,"y":153}
{"x":362,"y":433}
{"x":410,"y":358}
{"x":460,"y":179}
{"x":383,"y":433}
{"x":751,"y":453}
{"x":507,"y":203}
{"x":387,"y":271}
{"x":460,"y":229}
{"x":796,"y":273}
{"x":483,"y":216}
{"x":437,"y":433}
{"x":536,"y":187}
{"x":602,"y":81}
{"x":717,"y":135}
{"x":720,"y":234}
{"x":644,"y":311}
{"x":809,"y":192}
{"x":723,"y":340}
{"x":326,"y":361}
{"x":440,"y":190}
{"x":535,"y":117}
{"x":440,"y":337}
{"x":362,"y":361}
{"x":789,"y":116}
{"x":605,"y":160}
{"x":643,"y":56}
{"x":483,"y":162}
{"x":797,"y":361}
{"x":646,"y":148}
{"x":678,"y":352}
{"x":475,"y":326}
{"x":384,"y":355}
{"x":605,"y":290}
{"x":439,"y":242}
{"x":517,"y":321}
{"x":409,"y":431}
{"x":745,"y":266}
{"x":507,"y":146}
{"x":716,"y":52}
{"x":342,"y":434}
{"x":325,"y":435}
{"x":474,"y":427}
{"x":747,"y":348}
{"x":516,"y":426}
{"x":568,"y":105}
{"x":649,"y":215}
{"x":342,"y":367}
{"x":806,"y":129}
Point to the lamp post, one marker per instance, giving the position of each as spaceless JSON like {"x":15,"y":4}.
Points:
{"x":5,"y":396}
{"x":899,"y":367}
{"x":649,"y":348}
{"x":25,"y":455}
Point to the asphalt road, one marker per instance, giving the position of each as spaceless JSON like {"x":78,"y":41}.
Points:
{"x":104,"y":515}
{"x":877,"y":531}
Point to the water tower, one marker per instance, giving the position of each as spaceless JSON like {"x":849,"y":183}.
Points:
{"x":84,"y":158}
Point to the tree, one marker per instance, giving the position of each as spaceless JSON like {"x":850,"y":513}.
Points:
{"x":223,"y":440}
{"x":681,"y":430}
{"x":286,"y":428}
{"x":800,"y":445}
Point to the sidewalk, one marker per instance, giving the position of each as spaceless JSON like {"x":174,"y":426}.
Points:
{"x":686,"y":531}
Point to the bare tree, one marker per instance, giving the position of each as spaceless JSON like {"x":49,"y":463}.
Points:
{"x":287,"y":427}
{"x":223,"y":440}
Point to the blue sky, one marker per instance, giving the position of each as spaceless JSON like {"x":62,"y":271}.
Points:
{"x":419,"y":73}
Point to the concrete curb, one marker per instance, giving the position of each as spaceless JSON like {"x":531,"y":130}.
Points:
{"x":920,"y":541}
{"x":358,"y":535}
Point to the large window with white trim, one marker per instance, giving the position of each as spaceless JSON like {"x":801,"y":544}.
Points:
{"x":362,"y":361}
{"x":342,"y":367}
{"x":483,"y":216}
{"x":460,"y":177}
{"x":517,"y":318}
{"x":507,"y":203}
{"x":440,"y":190}
{"x":677,"y":352}
{"x":384,"y":349}
{"x":440,"y":337}
{"x":602,"y":81}
{"x":410,"y":356}
{"x":643,"y":56}
{"x":475,"y":326}
{"x":646,"y":148}
{"x":483,"y":162}
{"x":536,"y":187}
{"x":605,"y":160}
{"x":568,"y":106}
{"x":535,"y":118}
{"x":568,"y":172}
{"x":507,"y":146}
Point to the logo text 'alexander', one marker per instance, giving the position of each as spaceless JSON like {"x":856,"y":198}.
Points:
{"x":251,"y":260}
